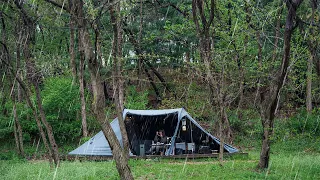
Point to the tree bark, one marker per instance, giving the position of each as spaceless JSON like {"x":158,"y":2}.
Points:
{"x":82,"y":96}
{"x":54,"y":146}
{"x":27,"y":93}
{"x":32,"y":74}
{"x":277,"y":33}
{"x":72,"y":39}
{"x":15,"y":129}
{"x":204,"y":26}
{"x":82,"y":86}
{"x":18,"y":131}
{"x":117,"y":72}
{"x":309,"y":83}
{"x":270,"y":98}
{"x":312,"y":49}
{"x":25,"y":88}
{"x":258,"y":38}
{"x":119,"y":155}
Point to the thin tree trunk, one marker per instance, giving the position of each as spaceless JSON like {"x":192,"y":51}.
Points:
{"x":4,"y":57}
{"x":49,"y":130}
{"x":312,"y":49}
{"x":18,"y":130}
{"x":32,"y":75}
{"x":222,"y":135}
{"x":18,"y":57}
{"x":117,"y":72}
{"x":258,"y":38}
{"x":309,"y":84}
{"x":241,"y":78}
{"x":277,"y":33}
{"x":72,"y":44}
{"x":15,"y":129}
{"x":140,"y":60}
{"x":99,"y":98}
{"x":81,"y":89}
{"x":82,"y":96}
{"x":27,"y":93}
{"x":270,"y":98}
{"x":151,"y":80}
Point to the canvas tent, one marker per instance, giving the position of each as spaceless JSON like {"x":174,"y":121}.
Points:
{"x":142,"y":125}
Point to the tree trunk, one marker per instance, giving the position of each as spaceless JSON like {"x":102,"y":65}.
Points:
{"x":309,"y":84}
{"x":99,"y":98}
{"x":29,"y":38}
{"x":312,"y":48}
{"x":241,"y":78}
{"x":82,"y":97}
{"x":265,"y":148}
{"x":15,"y":129}
{"x":81,"y":88}
{"x":277,"y":33}
{"x":222,"y":135}
{"x":72,"y":44}
{"x":33,"y":76}
{"x":258,"y":38}
{"x":48,"y":127}
{"x":18,"y":130}
{"x":27,"y":93}
{"x":117,"y":74}
{"x":205,"y":35}
{"x":270,"y":98}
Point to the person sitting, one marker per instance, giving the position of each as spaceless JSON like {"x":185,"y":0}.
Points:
{"x":159,"y":141}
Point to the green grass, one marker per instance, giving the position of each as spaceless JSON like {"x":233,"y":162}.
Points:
{"x":282,"y":166}
{"x":293,"y":158}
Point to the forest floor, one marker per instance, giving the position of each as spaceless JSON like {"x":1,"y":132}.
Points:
{"x":295,"y":158}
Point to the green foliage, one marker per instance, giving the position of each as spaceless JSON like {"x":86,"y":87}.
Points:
{"x":61,"y":103}
{"x":6,"y":127}
{"x":135,"y":99}
{"x":304,"y":123}
{"x":249,"y":125}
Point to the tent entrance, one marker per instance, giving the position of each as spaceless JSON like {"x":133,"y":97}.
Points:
{"x":203,"y":142}
{"x":142,"y":129}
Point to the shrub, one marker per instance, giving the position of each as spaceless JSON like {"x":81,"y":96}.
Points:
{"x":136,"y":100}
{"x":61,"y":103}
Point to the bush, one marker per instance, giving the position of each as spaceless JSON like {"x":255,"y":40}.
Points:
{"x":136,"y":100}
{"x":305,"y":123}
{"x":61,"y":103}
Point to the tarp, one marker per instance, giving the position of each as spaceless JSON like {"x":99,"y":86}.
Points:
{"x":98,"y":145}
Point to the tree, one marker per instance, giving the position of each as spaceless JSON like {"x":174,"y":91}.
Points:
{"x":269,"y":98}
{"x":312,"y":43}
{"x":98,"y":93}
{"x":32,"y":75}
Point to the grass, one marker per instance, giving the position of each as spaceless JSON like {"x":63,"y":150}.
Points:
{"x":304,"y":166}
{"x":299,"y":163}
{"x":295,"y":157}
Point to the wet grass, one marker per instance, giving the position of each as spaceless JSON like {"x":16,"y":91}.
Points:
{"x":292,"y":159}
{"x":282,"y":166}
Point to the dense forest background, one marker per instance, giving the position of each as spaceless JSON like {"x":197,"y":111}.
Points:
{"x":67,"y":67}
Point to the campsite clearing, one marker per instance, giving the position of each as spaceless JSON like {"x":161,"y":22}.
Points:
{"x":283,"y":166}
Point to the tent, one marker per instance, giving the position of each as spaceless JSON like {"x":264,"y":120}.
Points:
{"x":141,"y":126}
